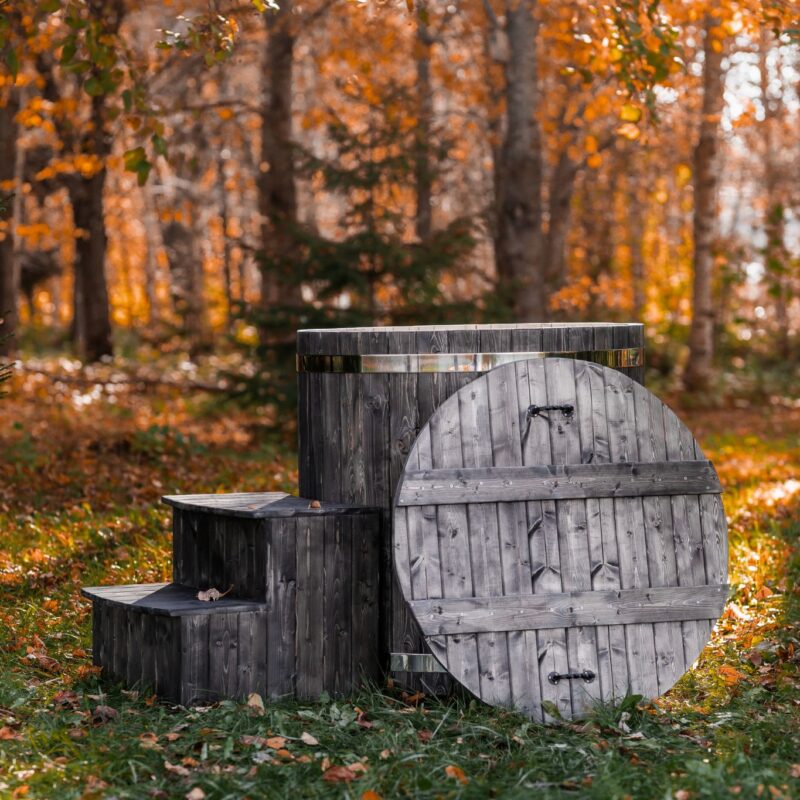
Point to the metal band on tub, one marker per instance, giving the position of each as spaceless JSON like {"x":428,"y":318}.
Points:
{"x":377,"y":363}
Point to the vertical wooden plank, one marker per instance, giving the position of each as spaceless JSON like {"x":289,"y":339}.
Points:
{"x":97,"y":633}
{"x":660,"y":537}
{"x":484,"y":545}
{"x":281,"y":603}
{"x":336,"y":622}
{"x":330,"y":411}
{"x":167,"y":656}
{"x":147,"y":637}
{"x":311,"y":432}
{"x":195,"y":657}
{"x":404,"y":425}
{"x":120,"y":642}
{"x":223,"y":661}
{"x":596,"y":571}
{"x":133,"y":656}
{"x":512,"y":524}
{"x":572,"y":525}
{"x":544,"y":532}
{"x":310,"y":606}
{"x":218,"y":528}
{"x":352,"y":428}
{"x":689,"y":548}
{"x":365,"y":598}
{"x":630,"y":533}
{"x":453,"y":538}
{"x":612,"y":646}
{"x":178,"y":546}
{"x":258,"y":649}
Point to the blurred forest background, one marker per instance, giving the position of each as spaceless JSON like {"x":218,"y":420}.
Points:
{"x":193,"y":181}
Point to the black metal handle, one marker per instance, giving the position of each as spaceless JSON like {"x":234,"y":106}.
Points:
{"x":587,"y":675}
{"x":567,"y":410}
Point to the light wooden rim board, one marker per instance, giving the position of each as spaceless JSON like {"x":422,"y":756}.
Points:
{"x":557,"y":610}
{"x":384,"y":363}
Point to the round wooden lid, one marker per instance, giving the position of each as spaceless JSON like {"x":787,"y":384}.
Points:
{"x":560,"y":538}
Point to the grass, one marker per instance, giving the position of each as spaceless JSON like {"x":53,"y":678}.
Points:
{"x":81,"y":472}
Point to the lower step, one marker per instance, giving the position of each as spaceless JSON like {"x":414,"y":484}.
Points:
{"x":186,"y":650}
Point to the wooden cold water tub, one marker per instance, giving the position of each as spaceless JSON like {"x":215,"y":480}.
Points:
{"x":365,"y":393}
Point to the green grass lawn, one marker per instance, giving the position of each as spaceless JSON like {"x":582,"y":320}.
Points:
{"x":80,"y":478}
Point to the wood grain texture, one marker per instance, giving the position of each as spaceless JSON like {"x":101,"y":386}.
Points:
{"x":383,"y":415}
{"x":557,"y":482}
{"x":569,"y":609}
{"x":582,"y":576}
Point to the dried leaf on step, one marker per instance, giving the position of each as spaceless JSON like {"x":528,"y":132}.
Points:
{"x":212,"y":594}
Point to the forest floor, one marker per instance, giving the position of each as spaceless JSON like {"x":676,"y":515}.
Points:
{"x":81,"y":473}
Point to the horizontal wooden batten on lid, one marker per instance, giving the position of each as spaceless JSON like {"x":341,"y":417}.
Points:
{"x":560,"y":539}
{"x":365,"y":393}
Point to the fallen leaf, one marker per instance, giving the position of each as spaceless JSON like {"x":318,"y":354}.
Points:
{"x":682,"y":794}
{"x":385,"y":754}
{"x":362,"y":721}
{"x":212,"y":594}
{"x":325,"y":764}
{"x":275,"y":742}
{"x":339,"y":774}
{"x":452,"y":771}
{"x":76,"y":733}
{"x":254,"y":700}
{"x":149,"y":740}
{"x":315,"y":504}
{"x":263,"y":756}
{"x":172,"y":736}
{"x":424,"y":735}
{"x":358,"y":766}
{"x":102,"y":714}
{"x":7,"y":734}
{"x":794,"y":770}
{"x":195,"y":794}
{"x":284,"y":754}
{"x":66,"y":699}
{"x":305,"y":759}
{"x":730,"y":674}
{"x":370,"y":795}
{"x":308,"y":739}
{"x":176,"y":769}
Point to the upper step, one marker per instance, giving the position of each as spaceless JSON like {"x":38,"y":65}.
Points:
{"x":166,"y":599}
{"x":259,"y":505}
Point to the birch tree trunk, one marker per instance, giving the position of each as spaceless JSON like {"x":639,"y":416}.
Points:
{"x":706,"y":179}
{"x":276,"y":185}
{"x":9,"y":265}
{"x":519,"y":240}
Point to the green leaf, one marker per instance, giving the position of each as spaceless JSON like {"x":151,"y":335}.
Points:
{"x":133,"y":158}
{"x":50,"y":6}
{"x":94,"y":87}
{"x":12,"y":60}
{"x":159,"y":144}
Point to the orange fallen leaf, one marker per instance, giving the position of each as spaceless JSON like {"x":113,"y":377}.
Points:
{"x":7,"y":734}
{"x":452,"y":771}
{"x":731,"y":675}
{"x":370,"y":795}
{"x":275,"y":742}
{"x":339,"y":774}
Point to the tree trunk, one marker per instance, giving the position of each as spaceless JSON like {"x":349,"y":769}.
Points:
{"x":92,"y":323}
{"x":706,"y":178}
{"x":422,"y":167}
{"x":636,"y":223}
{"x":9,"y":265}
{"x":518,"y":243}
{"x":776,"y":255}
{"x":562,"y":187}
{"x":276,"y":184}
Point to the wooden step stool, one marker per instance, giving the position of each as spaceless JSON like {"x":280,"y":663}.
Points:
{"x":301,"y":615}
